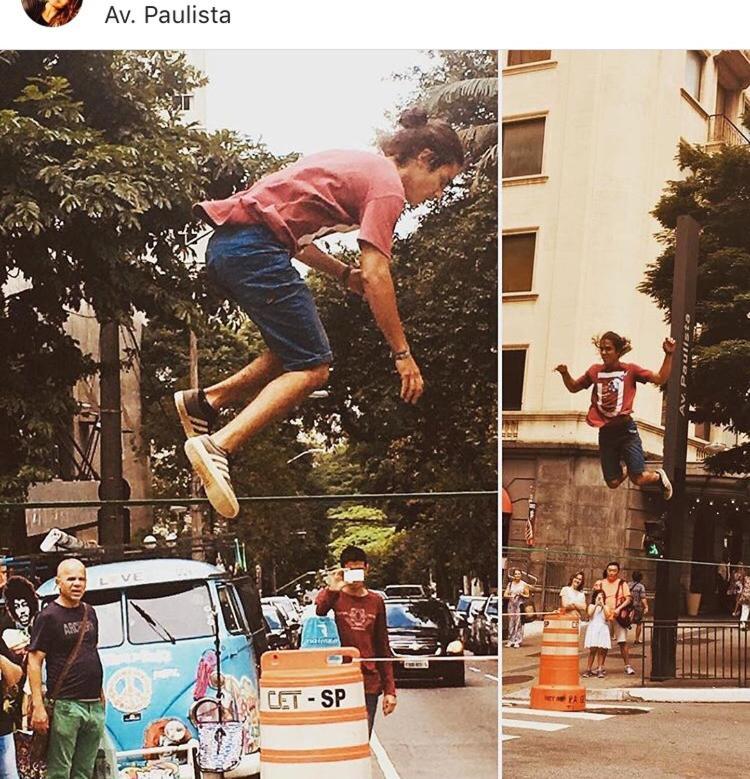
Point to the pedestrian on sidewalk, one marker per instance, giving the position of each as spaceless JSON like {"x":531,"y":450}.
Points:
{"x":249,"y":258}
{"x":618,"y":599}
{"x":614,"y":385}
{"x":64,"y":639}
{"x":743,"y":599}
{"x":573,"y":598}
{"x":597,"y":640}
{"x":11,"y":677}
{"x":517,"y":592}
{"x":640,"y":604}
{"x":735,"y":588}
{"x":361,"y":622}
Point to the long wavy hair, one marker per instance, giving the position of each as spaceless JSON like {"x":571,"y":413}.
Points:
{"x":34,"y":9}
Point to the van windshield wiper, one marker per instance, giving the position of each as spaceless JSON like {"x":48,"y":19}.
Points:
{"x":157,"y":626}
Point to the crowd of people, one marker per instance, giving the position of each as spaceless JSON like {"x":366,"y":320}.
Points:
{"x":612,"y":608}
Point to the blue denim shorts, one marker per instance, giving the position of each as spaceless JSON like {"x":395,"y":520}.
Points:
{"x":251,"y":267}
{"x":621,"y":444}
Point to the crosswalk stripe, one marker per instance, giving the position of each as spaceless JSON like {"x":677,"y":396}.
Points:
{"x":531,"y":725}
{"x":561,"y":714}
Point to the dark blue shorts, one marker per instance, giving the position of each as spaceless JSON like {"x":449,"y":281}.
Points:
{"x":621,"y":444}
{"x":251,"y":267}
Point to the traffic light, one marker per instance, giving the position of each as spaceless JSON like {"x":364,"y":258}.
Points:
{"x":654,"y":539}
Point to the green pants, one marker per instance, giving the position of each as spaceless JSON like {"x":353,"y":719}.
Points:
{"x":75,"y":736}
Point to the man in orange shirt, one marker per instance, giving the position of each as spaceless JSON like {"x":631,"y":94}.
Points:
{"x":617,"y":597}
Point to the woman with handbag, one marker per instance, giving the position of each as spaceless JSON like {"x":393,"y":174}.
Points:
{"x":516,"y":592}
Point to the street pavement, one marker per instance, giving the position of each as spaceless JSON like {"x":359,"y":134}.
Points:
{"x":651,"y":741}
{"x":438,"y":731}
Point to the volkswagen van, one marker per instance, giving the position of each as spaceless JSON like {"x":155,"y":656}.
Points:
{"x":160,"y":622}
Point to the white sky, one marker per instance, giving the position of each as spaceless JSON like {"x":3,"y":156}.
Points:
{"x":306,"y":101}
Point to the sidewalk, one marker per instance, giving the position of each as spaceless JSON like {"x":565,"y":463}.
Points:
{"x":520,"y":669}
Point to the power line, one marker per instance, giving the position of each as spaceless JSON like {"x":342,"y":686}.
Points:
{"x":356,"y":497}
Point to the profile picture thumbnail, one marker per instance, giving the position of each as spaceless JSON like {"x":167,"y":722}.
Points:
{"x":52,"y":13}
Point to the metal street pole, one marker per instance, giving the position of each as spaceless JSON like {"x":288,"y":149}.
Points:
{"x":667,"y":596}
{"x":197,"y":518}
{"x":112,"y":526}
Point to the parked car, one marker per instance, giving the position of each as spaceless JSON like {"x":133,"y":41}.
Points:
{"x":405,"y":591}
{"x":293,"y":618}
{"x":484,"y":629}
{"x":466,"y":608}
{"x":423,"y":627}
{"x":279,"y":634}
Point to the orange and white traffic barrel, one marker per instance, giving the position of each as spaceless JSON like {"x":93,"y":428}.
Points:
{"x":559,"y":685}
{"x":313,"y":718}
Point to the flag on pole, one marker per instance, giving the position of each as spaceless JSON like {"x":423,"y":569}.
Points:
{"x":530,"y":519}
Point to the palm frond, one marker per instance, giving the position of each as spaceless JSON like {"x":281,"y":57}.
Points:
{"x":475,"y":89}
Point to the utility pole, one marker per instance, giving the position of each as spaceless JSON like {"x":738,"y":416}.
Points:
{"x":113,"y":523}
{"x":667,"y":597}
{"x":196,"y":514}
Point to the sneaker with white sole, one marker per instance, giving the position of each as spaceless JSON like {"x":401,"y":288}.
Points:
{"x":211,"y":464}
{"x":195,"y":414}
{"x":666,"y":485}
{"x":629,"y":670}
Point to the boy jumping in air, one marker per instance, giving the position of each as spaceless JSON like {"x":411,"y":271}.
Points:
{"x":613,"y":391}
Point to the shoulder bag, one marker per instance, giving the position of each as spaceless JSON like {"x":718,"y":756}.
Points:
{"x":31,"y":748}
{"x":625,"y":615}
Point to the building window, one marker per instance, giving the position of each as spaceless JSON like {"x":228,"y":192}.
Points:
{"x":518,"y":261}
{"x":523,"y":145}
{"x":514,"y":367}
{"x":703,"y":430}
{"x":694,"y":64}
{"x":182,"y":102}
{"x":524,"y":56}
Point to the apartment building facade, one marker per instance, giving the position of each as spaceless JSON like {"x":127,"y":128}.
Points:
{"x":589,"y":141}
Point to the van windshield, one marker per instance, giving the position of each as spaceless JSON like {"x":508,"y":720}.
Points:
{"x":178,"y":609}
{"x":108,"y":610}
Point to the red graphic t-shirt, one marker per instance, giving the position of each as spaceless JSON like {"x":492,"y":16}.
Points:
{"x":361,"y":624}
{"x":329,"y":192}
{"x":613,"y":391}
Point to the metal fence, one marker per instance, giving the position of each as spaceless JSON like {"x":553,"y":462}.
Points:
{"x":710,"y":652}
{"x":721,"y":129}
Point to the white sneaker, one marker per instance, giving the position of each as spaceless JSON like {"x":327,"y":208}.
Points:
{"x":666,"y":485}
{"x":629,"y":670}
{"x":211,"y":464}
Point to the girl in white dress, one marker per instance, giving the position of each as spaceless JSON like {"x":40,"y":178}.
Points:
{"x":597,"y":639}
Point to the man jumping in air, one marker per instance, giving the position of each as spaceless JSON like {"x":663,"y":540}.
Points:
{"x":613,"y":391}
{"x":258,"y":231}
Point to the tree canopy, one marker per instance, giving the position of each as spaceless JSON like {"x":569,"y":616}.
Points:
{"x":716,"y":192}
{"x":97,"y":178}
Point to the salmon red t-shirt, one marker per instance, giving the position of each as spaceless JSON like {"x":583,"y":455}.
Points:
{"x":614,"y":592}
{"x":329,"y":192}
{"x":613,"y":391}
{"x":361,"y":623}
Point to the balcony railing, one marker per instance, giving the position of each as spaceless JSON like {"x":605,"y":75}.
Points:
{"x":721,"y":129}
